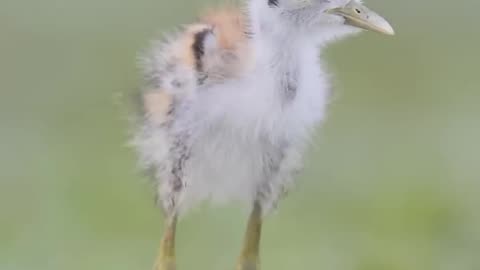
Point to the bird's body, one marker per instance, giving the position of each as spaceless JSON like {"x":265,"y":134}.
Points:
{"x":236,"y":135}
{"x":230,"y":104}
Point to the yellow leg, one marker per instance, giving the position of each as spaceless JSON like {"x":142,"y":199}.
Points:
{"x":250,"y":257}
{"x":166,"y":255}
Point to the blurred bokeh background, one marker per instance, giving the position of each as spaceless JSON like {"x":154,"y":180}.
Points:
{"x":393,"y":182}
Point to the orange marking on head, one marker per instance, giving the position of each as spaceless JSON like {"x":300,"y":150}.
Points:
{"x":229,"y":25}
{"x":157,"y":105}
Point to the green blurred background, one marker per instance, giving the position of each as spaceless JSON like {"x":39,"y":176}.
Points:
{"x":393,"y":182}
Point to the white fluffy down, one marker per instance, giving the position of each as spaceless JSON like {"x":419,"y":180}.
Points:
{"x":238,"y":129}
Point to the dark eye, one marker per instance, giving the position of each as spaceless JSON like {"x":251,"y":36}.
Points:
{"x":358,"y":11}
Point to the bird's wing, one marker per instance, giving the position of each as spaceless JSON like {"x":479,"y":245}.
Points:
{"x":208,"y":52}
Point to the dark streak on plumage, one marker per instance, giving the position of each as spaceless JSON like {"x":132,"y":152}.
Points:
{"x":198,"y":48}
{"x":273,"y":3}
{"x":290,"y":85}
{"x":182,"y":155}
{"x":291,"y":90}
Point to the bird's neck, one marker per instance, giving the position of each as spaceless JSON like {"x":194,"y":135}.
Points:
{"x":284,"y":54}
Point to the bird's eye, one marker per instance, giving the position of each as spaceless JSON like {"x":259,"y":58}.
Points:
{"x":358,"y":11}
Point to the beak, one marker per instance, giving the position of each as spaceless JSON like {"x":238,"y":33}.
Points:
{"x":360,"y":16}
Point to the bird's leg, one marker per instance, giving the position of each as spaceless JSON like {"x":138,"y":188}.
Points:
{"x":250,"y":257}
{"x":166,"y":255}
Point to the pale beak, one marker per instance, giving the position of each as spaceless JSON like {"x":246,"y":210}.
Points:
{"x":360,"y":16}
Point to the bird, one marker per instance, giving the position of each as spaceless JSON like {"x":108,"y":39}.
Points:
{"x":229,"y":105}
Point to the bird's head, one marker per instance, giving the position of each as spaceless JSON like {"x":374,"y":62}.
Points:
{"x":326,"y":19}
